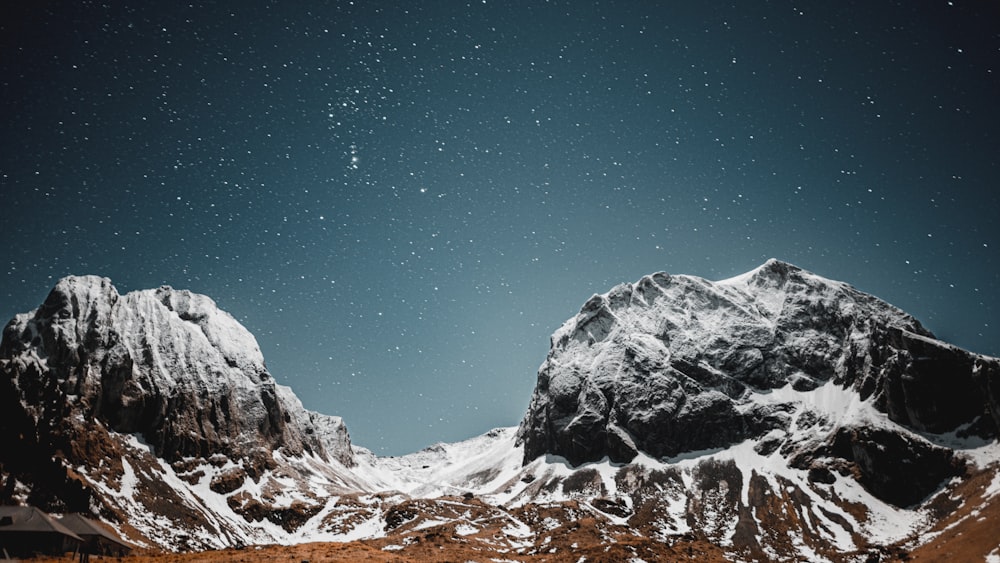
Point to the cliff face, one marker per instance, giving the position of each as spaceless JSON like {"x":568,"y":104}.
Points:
{"x":675,"y":364}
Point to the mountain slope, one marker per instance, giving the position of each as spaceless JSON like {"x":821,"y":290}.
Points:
{"x":773,"y":416}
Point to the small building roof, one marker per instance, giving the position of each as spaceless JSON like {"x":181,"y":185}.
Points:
{"x":21,"y":519}
{"x":87,"y":528}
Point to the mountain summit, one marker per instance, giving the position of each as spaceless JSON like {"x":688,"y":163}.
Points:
{"x":774,"y":415}
{"x":673,"y":364}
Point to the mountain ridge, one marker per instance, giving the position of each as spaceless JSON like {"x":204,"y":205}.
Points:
{"x":670,"y":411}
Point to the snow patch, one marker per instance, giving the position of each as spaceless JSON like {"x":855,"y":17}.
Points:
{"x":993,"y":489}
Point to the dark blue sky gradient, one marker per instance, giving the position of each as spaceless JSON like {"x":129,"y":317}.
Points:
{"x":402,"y":203}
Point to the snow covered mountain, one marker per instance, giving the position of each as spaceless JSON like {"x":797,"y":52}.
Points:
{"x":674,"y":364}
{"x":775,"y":415}
{"x":113,"y":403}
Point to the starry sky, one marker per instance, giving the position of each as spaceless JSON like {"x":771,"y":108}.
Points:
{"x":403,"y":200}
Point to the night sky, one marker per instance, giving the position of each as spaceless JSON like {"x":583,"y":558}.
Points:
{"x":403,"y":203}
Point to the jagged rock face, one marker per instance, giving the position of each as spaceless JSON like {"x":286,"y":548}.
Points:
{"x":673,"y":364}
{"x":166,"y":364}
{"x":329,"y":431}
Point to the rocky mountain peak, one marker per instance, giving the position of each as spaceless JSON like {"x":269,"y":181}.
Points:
{"x":234,"y":343}
{"x":676,"y":363}
{"x":164,"y":364}
{"x":73,"y":315}
{"x":76,"y":296}
{"x":775,"y":269}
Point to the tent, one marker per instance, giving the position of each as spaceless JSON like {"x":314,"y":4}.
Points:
{"x":97,"y":538}
{"x":27,"y":531}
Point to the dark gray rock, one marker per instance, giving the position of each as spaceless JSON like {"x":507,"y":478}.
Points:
{"x":894,"y":467}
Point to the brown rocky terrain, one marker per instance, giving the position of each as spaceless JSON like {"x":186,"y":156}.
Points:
{"x":971,"y":537}
{"x":441,"y":530}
